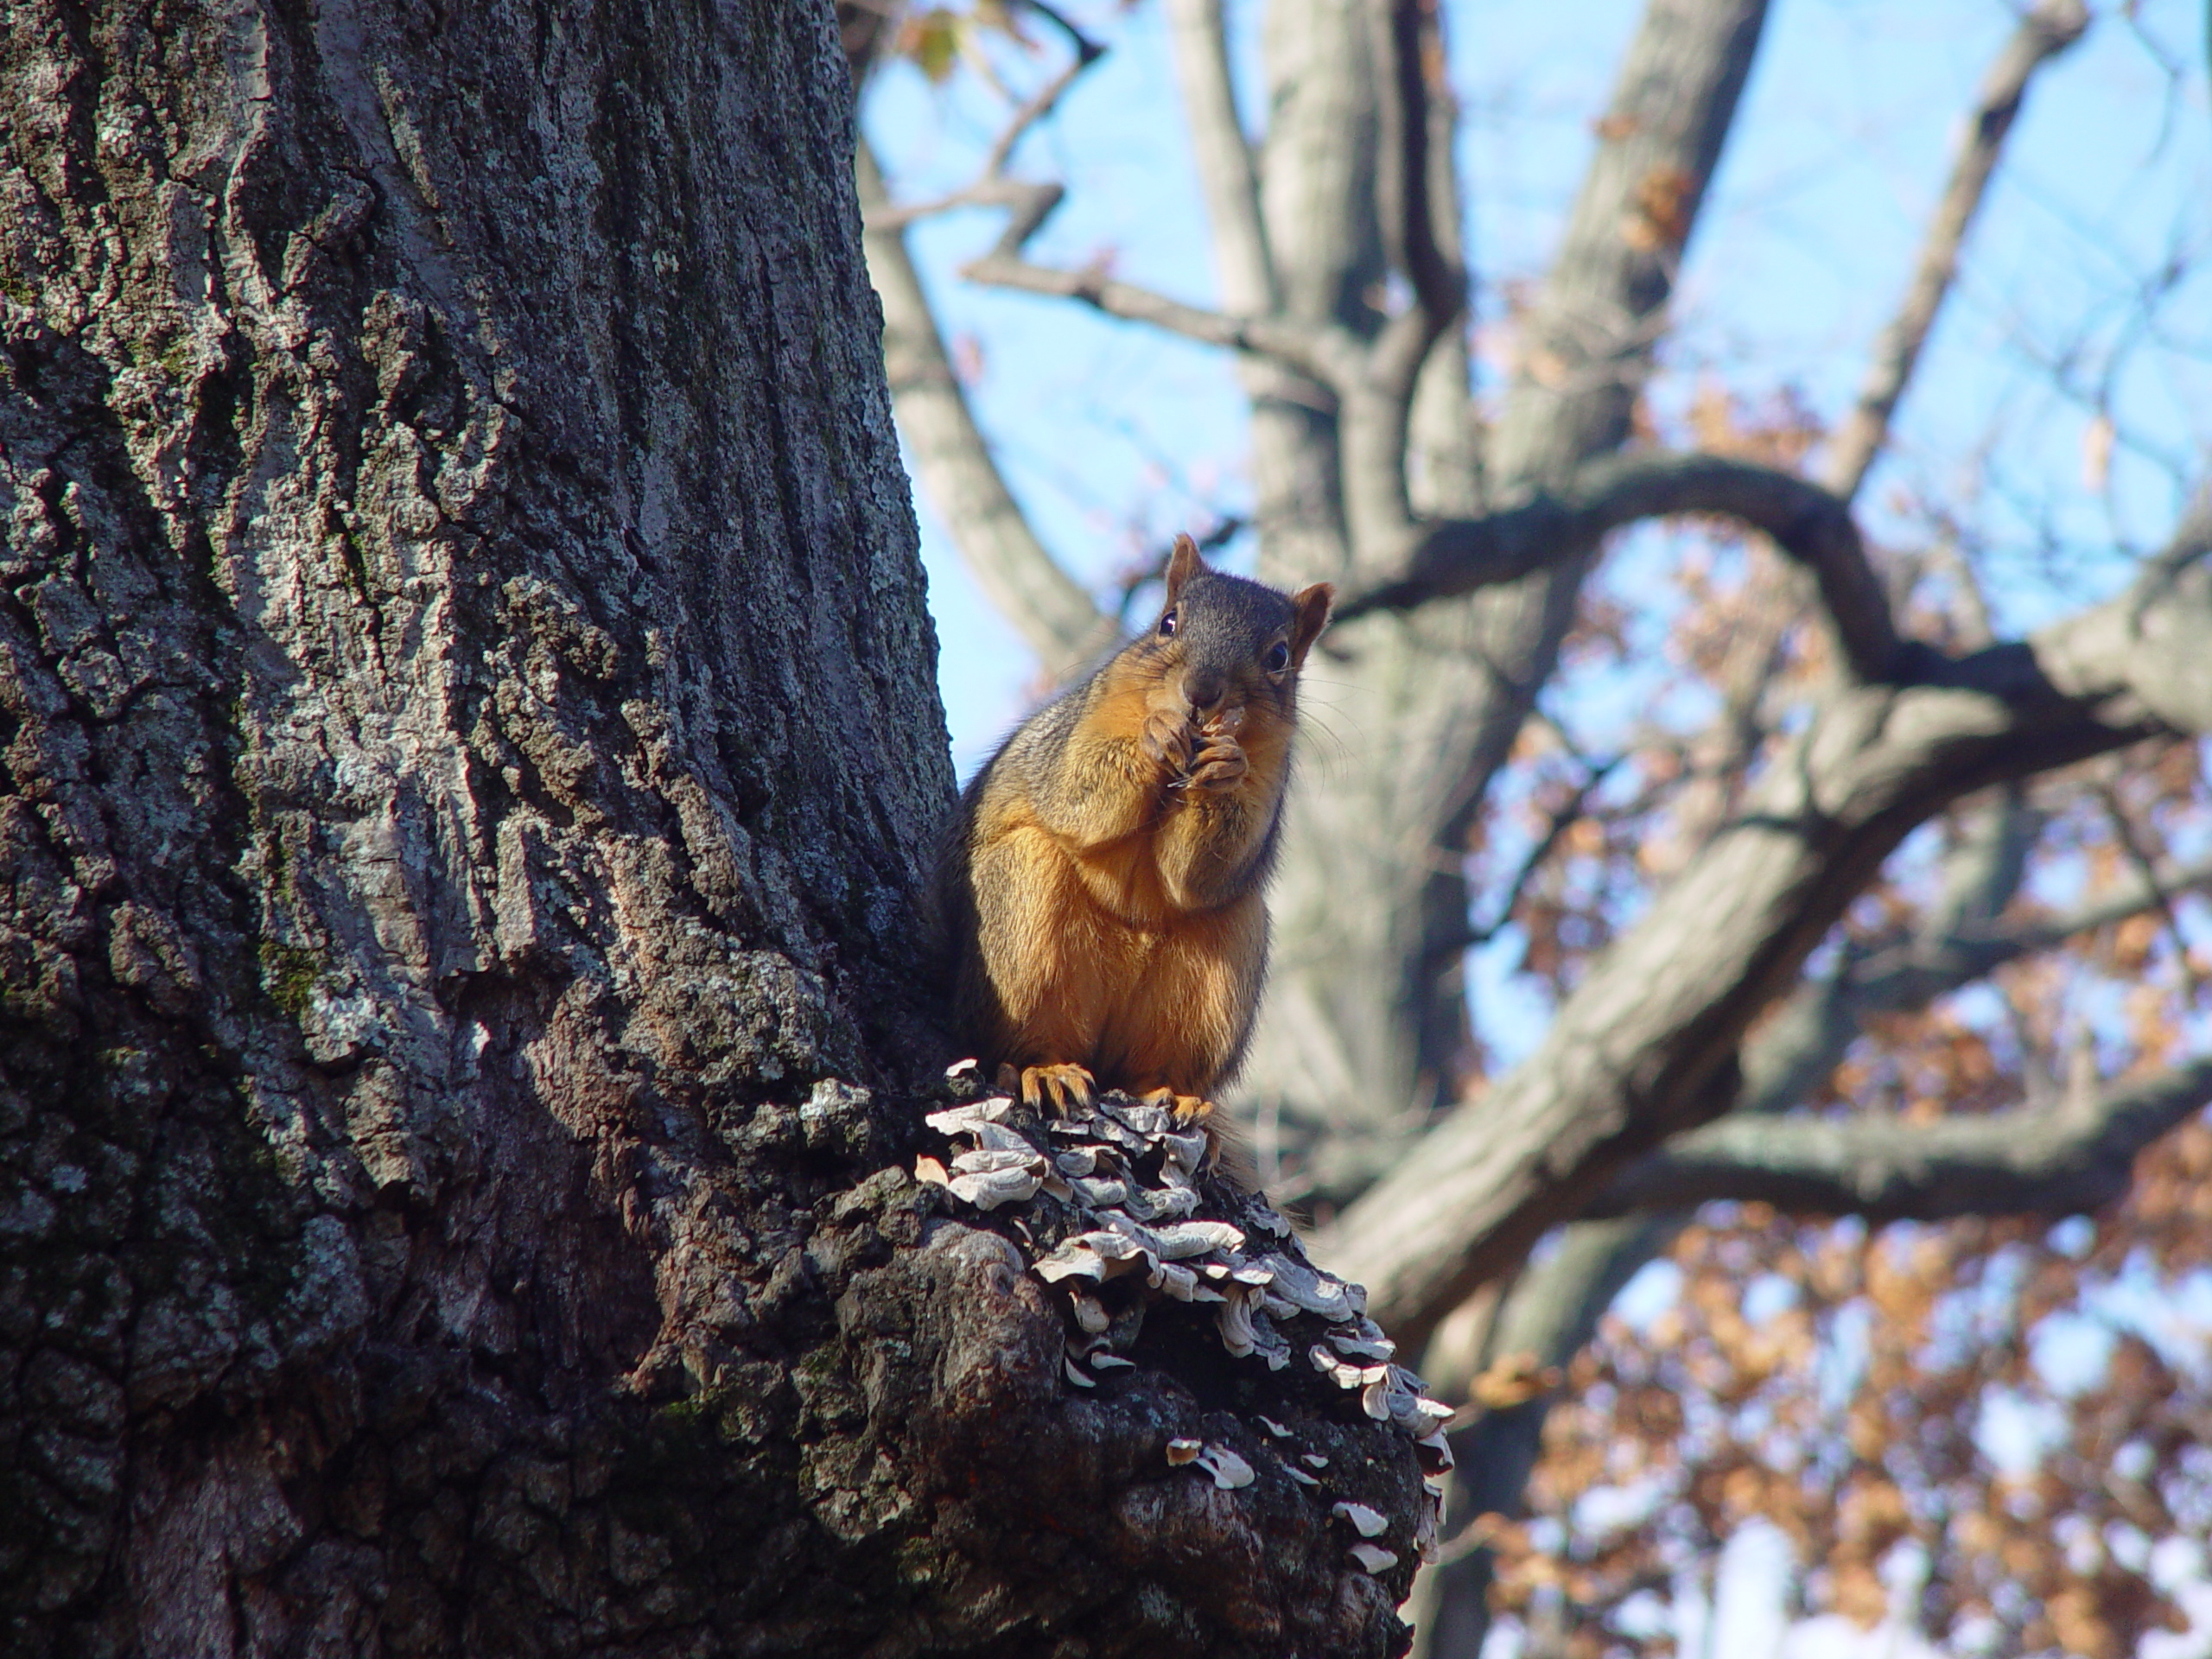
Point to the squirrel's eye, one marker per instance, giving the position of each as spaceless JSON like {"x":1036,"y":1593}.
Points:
{"x":1167,"y":624}
{"x":1278,"y":658}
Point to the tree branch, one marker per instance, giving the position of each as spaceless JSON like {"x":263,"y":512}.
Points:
{"x":1328,"y":355}
{"x":1407,"y":48}
{"x":1569,"y":814}
{"x":1853,"y":448}
{"x":986,"y":190}
{"x":2143,"y":652}
{"x":1377,"y":402}
{"x":2044,"y":33}
{"x":1224,"y":157}
{"x":1374,"y":382}
{"x":1913,"y":975}
{"x":1645,"y":1047}
{"x":1585,"y":343}
{"x":2061,"y":1160}
{"x":1029,"y":203}
{"x":1812,"y":526}
{"x":1552,"y":1308}
{"x":1048,"y":607}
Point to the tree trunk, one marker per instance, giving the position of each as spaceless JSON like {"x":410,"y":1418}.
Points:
{"x":470,"y":756}
{"x":1365,"y":1029}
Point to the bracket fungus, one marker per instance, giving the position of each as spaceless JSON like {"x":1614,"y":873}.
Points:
{"x":1111,"y":1206}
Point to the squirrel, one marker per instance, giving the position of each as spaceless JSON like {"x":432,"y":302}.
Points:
{"x":1102,"y":882}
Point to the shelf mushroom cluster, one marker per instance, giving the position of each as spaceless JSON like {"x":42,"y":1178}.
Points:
{"x":1127,"y":1182}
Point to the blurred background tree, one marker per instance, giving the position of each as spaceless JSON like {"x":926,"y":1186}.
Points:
{"x":1746,"y":874}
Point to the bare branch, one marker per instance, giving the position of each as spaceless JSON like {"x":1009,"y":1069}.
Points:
{"x":1328,"y":355}
{"x":991,"y":188}
{"x":1224,"y":156}
{"x":1646,"y":1046}
{"x":2044,"y":33}
{"x":1586,"y":341}
{"x":1755,"y":648}
{"x":1913,"y":975}
{"x":2065,"y":1159}
{"x":1407,"y":50}
{"x":2145,"y":865}
{"x":1048,"y":607}
{"x":1569,"y":814}
{"x":1808,"y":522}
{"x":1793,"y":1049}
{"x":2145,"y":650}
{"x":1377,"y":403}
{"x":988,"y":188}
{"x":1376,"y":382}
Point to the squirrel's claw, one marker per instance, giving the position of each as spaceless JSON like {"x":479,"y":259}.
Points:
{"x":1220,"y":765}
{"x":1188,"y":1109}
{"x":1066,"y":1084}
{"x":1167,"y":738}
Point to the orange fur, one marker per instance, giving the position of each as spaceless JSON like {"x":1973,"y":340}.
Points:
{"x":1104,"y":881}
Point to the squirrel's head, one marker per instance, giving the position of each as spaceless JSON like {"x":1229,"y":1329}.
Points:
{"x":1224,"y":643}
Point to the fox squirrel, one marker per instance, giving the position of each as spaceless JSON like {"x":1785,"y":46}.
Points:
{"x":1102,"y":882}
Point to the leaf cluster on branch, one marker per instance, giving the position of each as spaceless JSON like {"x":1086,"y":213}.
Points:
{"x":1924,"y":1347}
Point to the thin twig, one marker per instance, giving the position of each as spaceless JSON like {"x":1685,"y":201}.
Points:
{"x":1321,"y":353}
{"x":1561,"y":821}
{"x":984,"y":190}
{"x":2043,"y":34}
{"x":2147,"y":869}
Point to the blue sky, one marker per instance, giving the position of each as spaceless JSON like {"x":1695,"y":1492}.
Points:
{"x":1114,"y":436}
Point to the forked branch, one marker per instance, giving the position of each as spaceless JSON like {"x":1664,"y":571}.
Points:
{"x":1382,"y":372}
{"x":1645,"y":1046}
{"x":1812,"y":525}
{"x":1808,"y":522}
{"x":988,"y":188}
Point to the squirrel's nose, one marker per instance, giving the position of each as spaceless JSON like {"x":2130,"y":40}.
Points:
{"x":1203,"y":687}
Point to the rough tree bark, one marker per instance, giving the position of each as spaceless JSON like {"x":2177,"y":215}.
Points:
{"x":470,"y":752}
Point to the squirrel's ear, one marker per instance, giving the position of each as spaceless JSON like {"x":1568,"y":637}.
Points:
{"x":1182,"y":564}
{"x":1312,"y":605}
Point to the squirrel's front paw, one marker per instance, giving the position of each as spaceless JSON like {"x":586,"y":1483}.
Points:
{"x":1220,"y":765}
{"x":1166,"y":739}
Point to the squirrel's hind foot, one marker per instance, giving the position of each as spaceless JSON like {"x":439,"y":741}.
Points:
{"x":1066,"y":1085}
{"x":1188,"y":1109}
